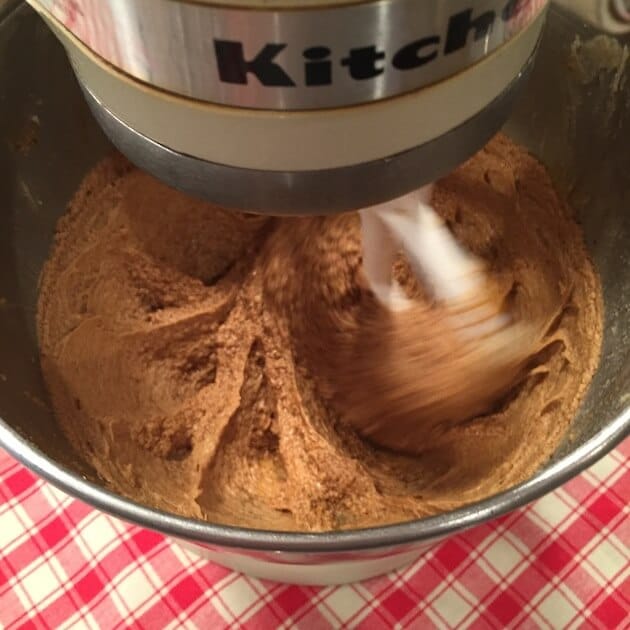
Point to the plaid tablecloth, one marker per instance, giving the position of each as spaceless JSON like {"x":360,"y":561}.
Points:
{"x":563,"y":562}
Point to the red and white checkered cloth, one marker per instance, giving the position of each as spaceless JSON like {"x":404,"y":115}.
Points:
{"x":563,"y":562}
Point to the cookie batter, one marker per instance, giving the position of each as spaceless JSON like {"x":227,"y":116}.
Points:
{"x":181,"y":345}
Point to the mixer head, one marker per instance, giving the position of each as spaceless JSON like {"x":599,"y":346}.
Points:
{"x":296,"y":107}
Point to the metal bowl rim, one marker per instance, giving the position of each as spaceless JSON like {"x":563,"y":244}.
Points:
{"x":331,"y":541}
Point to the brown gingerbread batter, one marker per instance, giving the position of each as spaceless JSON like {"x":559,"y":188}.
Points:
{"x":180,"y":345}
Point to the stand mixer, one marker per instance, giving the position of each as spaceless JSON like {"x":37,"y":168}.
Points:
{"x":42,"y":85}
{"x":307,"y":108}
{"x":299,"y":107}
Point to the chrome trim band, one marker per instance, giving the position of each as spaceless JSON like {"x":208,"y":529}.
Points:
{"x":310,"y":192}
{"x":293,"y":59}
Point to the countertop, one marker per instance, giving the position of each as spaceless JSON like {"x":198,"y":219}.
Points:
{"x":562,"y":562}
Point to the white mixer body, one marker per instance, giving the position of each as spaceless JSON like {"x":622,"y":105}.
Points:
{"x":294,"y":107}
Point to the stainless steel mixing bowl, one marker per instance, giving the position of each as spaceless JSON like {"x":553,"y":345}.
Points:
{"x":575,"y":115}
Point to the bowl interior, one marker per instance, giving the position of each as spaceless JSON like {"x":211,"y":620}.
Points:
{"x":574,"y":115}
